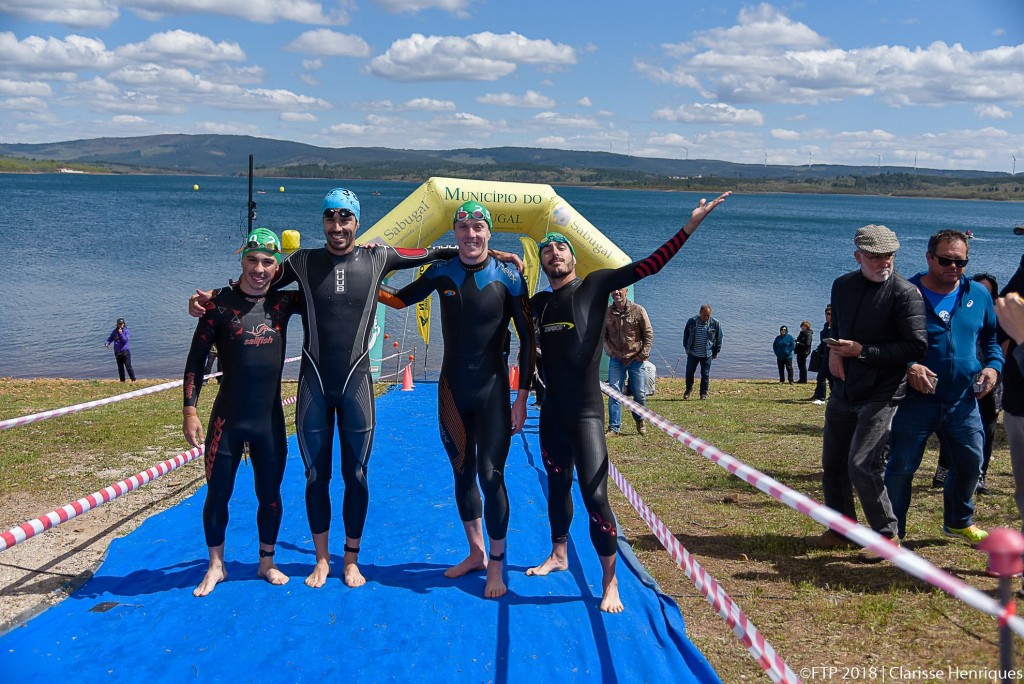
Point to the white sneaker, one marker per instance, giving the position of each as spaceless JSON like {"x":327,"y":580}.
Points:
{"x":818,"y":402}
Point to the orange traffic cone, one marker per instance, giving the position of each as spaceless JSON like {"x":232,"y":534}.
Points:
{"x":407,"y":379}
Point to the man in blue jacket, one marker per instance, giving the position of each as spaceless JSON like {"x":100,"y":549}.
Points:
{"x":945,"y":388}
{"x":702,"y":340}
{"x":120,"y":337}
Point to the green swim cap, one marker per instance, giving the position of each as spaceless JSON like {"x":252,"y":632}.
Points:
{"x":262,"y":240}
{"x":555,"y":237}
{"x":474,"y":210}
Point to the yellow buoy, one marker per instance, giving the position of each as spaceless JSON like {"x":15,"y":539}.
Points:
{"x":195,"y":187}
{"x":281,"y":189}
{"x":290,"y":240}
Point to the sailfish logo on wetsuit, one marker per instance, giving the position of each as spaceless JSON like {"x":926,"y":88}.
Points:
{"x":558,"y":327}
{"x":261,"y":334}
{"x":449,"y":293}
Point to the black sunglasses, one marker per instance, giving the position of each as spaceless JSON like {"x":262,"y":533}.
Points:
{"x":337,"y":213}
{"x":946,"y":261}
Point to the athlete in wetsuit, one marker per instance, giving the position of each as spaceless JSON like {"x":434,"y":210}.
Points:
{"x":478,"y":297}
{"x":339,"y":285}
{"x":571,"y":319}
{"x":248,"y":325}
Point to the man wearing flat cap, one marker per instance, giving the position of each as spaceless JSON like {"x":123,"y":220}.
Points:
{"x":878,"y":322}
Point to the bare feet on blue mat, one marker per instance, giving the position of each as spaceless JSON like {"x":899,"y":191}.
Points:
{"x":269,"y":571}
{"x":322,"y":569}
{"x":610,"y":601}
{"x":555,"y":562}
{"x":214,"y":574}
{"x":474,"y":562}
{"x":495,"y":586}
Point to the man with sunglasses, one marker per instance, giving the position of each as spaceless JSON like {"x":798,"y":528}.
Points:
{"x":963,"y":363}
{"x":571,"y":317}
{"x":877,"y":328}
{"x":338,"y":283}
{"x":478,"y":296}
{"x":248,"y":324}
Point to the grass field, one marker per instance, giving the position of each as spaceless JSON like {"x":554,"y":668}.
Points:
{"x":817,"y":608}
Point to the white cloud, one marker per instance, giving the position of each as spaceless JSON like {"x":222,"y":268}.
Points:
{"x":530,"y":99}
{"x":259,"y":11}
{"x":456,"y":7}
{"x":183,"y":48}
{"x":53,"y":56}
{"x":78,"y":13}
{"x":24,"y":88}
{"x":714,"y":113}
{"x":784,"y":134}
{"x":551,"y":141}
{"x":426,"y":104}
{"x":298,"y":117}
{"x":23,"y":104}
{"x":479,"y":57}
{"x":991,"y":111}
{"x":227,"y":128}
{"x":311,"y":81}
{"x":584,"y":102}
{"x":759,"y":30}
{"x":348,"y":129}
{"x":555,"y":119}
{"x":312,"y":64}
{"x":127,"y":119}
{"x":669,"y":140}
{"x":329,"y":43}
{"x":766,"y":57}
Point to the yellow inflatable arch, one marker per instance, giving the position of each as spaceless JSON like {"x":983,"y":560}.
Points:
{"x":527,"y":208}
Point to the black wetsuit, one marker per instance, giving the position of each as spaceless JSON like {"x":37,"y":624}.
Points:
{"x":250,"y":336}
{"x":340,"y":295}
{"x":571,"y":321}
{"x":473,"y":391}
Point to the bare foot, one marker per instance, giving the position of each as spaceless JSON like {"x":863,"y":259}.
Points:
{"x":495,"y":586}
{"x":553,"y":563}
{"x":215,"y":574}
{"x":318,"y":577}
{"x":472,"y":563}
{"x":610,"y":602}
{"x":353,"y":578}
{"x":271,"y":573}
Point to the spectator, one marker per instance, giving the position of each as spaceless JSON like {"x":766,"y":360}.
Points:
{"x":878,"y":325}
{"x":702,"y":340}
{"x":783,"y":347}
{"x":945,"y":388}
{"x":628,"y":338}
{"x":120,"y":336}
{"x":804,"y":342}
{"x":822,"y":382}
{"x":990,"y":406}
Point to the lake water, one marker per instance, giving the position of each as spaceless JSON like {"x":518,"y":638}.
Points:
{"x":83,"y":250}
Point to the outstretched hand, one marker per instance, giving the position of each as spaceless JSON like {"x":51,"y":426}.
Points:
{"x":703,"y":209}
{"x":508,"y":258}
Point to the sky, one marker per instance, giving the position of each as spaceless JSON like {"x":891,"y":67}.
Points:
{"x":913,"y":83}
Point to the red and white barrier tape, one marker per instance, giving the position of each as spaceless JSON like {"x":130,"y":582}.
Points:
{"x":908,"y":561}
{"x":388,"y":358}
{"x":760,"y":650}
{"x":31,"y":528}
{"x":54,"y":413}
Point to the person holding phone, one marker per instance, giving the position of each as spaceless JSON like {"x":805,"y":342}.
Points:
{"x":120,"y":337}
{"x":878,"y":328}
{"x":962,"y":365}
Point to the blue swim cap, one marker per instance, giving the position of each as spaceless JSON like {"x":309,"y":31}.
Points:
{"x":340,"y":198}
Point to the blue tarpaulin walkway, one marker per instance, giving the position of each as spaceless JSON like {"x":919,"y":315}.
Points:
{"x":136,"y":619}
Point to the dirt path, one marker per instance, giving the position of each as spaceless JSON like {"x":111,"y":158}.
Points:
{"x":43,"y":570}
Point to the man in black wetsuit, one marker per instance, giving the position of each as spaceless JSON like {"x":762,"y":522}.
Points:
{"x":478,"y":296}
{"x":571,"y":319}
{"x":248,"y":324}
{"x":339,"y":284}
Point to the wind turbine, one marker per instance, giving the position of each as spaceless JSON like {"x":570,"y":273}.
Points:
{"x":879,"y":160}
{"x":687,"y":151}
{"x":766,"y":160}
{"x":1014,"y":164}
{"x":809,"y":155}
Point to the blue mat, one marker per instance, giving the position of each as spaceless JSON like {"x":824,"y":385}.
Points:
{"x":137,"y":618}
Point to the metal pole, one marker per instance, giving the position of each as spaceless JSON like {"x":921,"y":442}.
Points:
{"x":1005,"y":635}
{"x":252,"y":206}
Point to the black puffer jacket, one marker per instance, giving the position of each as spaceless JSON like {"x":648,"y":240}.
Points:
{"x":888,"y":320}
